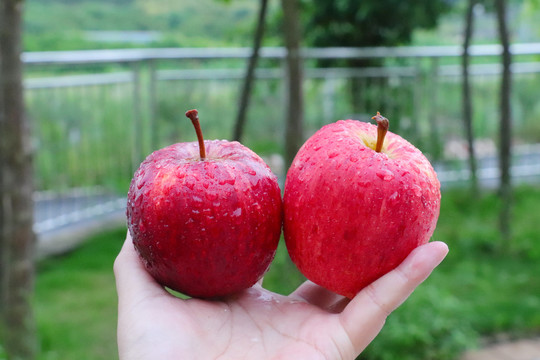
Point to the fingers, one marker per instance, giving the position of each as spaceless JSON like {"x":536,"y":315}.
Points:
{"x":319,"y":296}
{"x":132,"y":280}
{"x":365,"y":315}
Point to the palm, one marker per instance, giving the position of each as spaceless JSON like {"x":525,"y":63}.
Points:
{"x":256,"y":324}
{"x":311,"y":323}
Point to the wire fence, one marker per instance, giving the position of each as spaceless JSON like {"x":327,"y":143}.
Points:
{"x":97,"y":114}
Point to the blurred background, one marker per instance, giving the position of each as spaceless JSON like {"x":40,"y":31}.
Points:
{"x":107,"y":82}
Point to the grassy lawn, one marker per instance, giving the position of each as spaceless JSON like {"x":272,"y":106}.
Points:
{"x":75,"y":302}
{"x":484,"y":287}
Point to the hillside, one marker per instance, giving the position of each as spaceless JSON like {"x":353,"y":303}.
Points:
{"x":94,"y":24}
{"x":80,"y":24}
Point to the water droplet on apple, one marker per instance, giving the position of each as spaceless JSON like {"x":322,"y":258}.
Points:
{"x":140,"y":184}
{"x":227,"y":181}
{"x":147,"y":263}
{"x":211,"y":196}
{"x":353,"y":158}
{"x":195,"y":211}
{"x":142,"y":228}
{"x":385,"y":174}
{"x":417,"y":190}
{"x":254,"y":181}
{"x":252,"y":172}
{"x":362,"y":182}
{"x":138,"y":201}
{"x":197,"y":198}
{"x":333,"y":154}
{"x":180,"y":174}
{"x":237,"y":212}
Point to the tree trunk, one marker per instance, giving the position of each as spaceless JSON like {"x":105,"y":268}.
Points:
{"x":294,"y":79}
{"x":250,"y":73}
{"x":17,"y":239}
{"x":505,"y":130}
{"x":467,"y":96}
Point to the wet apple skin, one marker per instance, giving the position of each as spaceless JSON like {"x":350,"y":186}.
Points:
{"x":353,"y":214}
{"x":206,"y":228}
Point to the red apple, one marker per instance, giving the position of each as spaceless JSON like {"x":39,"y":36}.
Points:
{"x":356,"y":203}
{"x":205,"y":217}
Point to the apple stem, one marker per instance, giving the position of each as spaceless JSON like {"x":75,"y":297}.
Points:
{"x":193,"y":115}
{"x":382,"y":129}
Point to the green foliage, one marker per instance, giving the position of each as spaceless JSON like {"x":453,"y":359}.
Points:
{"x":70,"y":2}
{"x":62,"y":24}
{"x":283,"y":277}
{"x":474,"y":292}
{"x":526,"y":108}
{"x":352,"y":23}
{"x":56,"y":25}
{"x":427,"y":326}
{"x":75,"y":138}
{"x":368,"y":23}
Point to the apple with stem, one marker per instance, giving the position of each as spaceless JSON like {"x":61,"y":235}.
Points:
{"x":205,"y":216}
{"x":357,"y":200}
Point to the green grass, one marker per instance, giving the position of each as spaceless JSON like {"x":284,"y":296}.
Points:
{"x":483,"y":288}
{"x":75,"y":301}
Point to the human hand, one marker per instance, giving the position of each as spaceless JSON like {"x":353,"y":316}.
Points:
{"x":311,"y":323}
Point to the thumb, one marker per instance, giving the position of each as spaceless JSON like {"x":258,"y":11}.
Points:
{"x":365,"y":315}
{"x":133,"y":282}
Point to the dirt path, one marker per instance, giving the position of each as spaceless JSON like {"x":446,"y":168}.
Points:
{"x":517,"y":350}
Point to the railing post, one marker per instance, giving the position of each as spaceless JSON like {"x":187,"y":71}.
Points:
{"x":418,"y":94}
{"x":136,"y":144}
{"x":433,"y":121}
{"x":329,"y":100}
{"x":152,"y":89}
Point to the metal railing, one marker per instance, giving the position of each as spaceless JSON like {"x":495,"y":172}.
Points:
{"x":97,"y":114}
{"x":137,"y":55}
